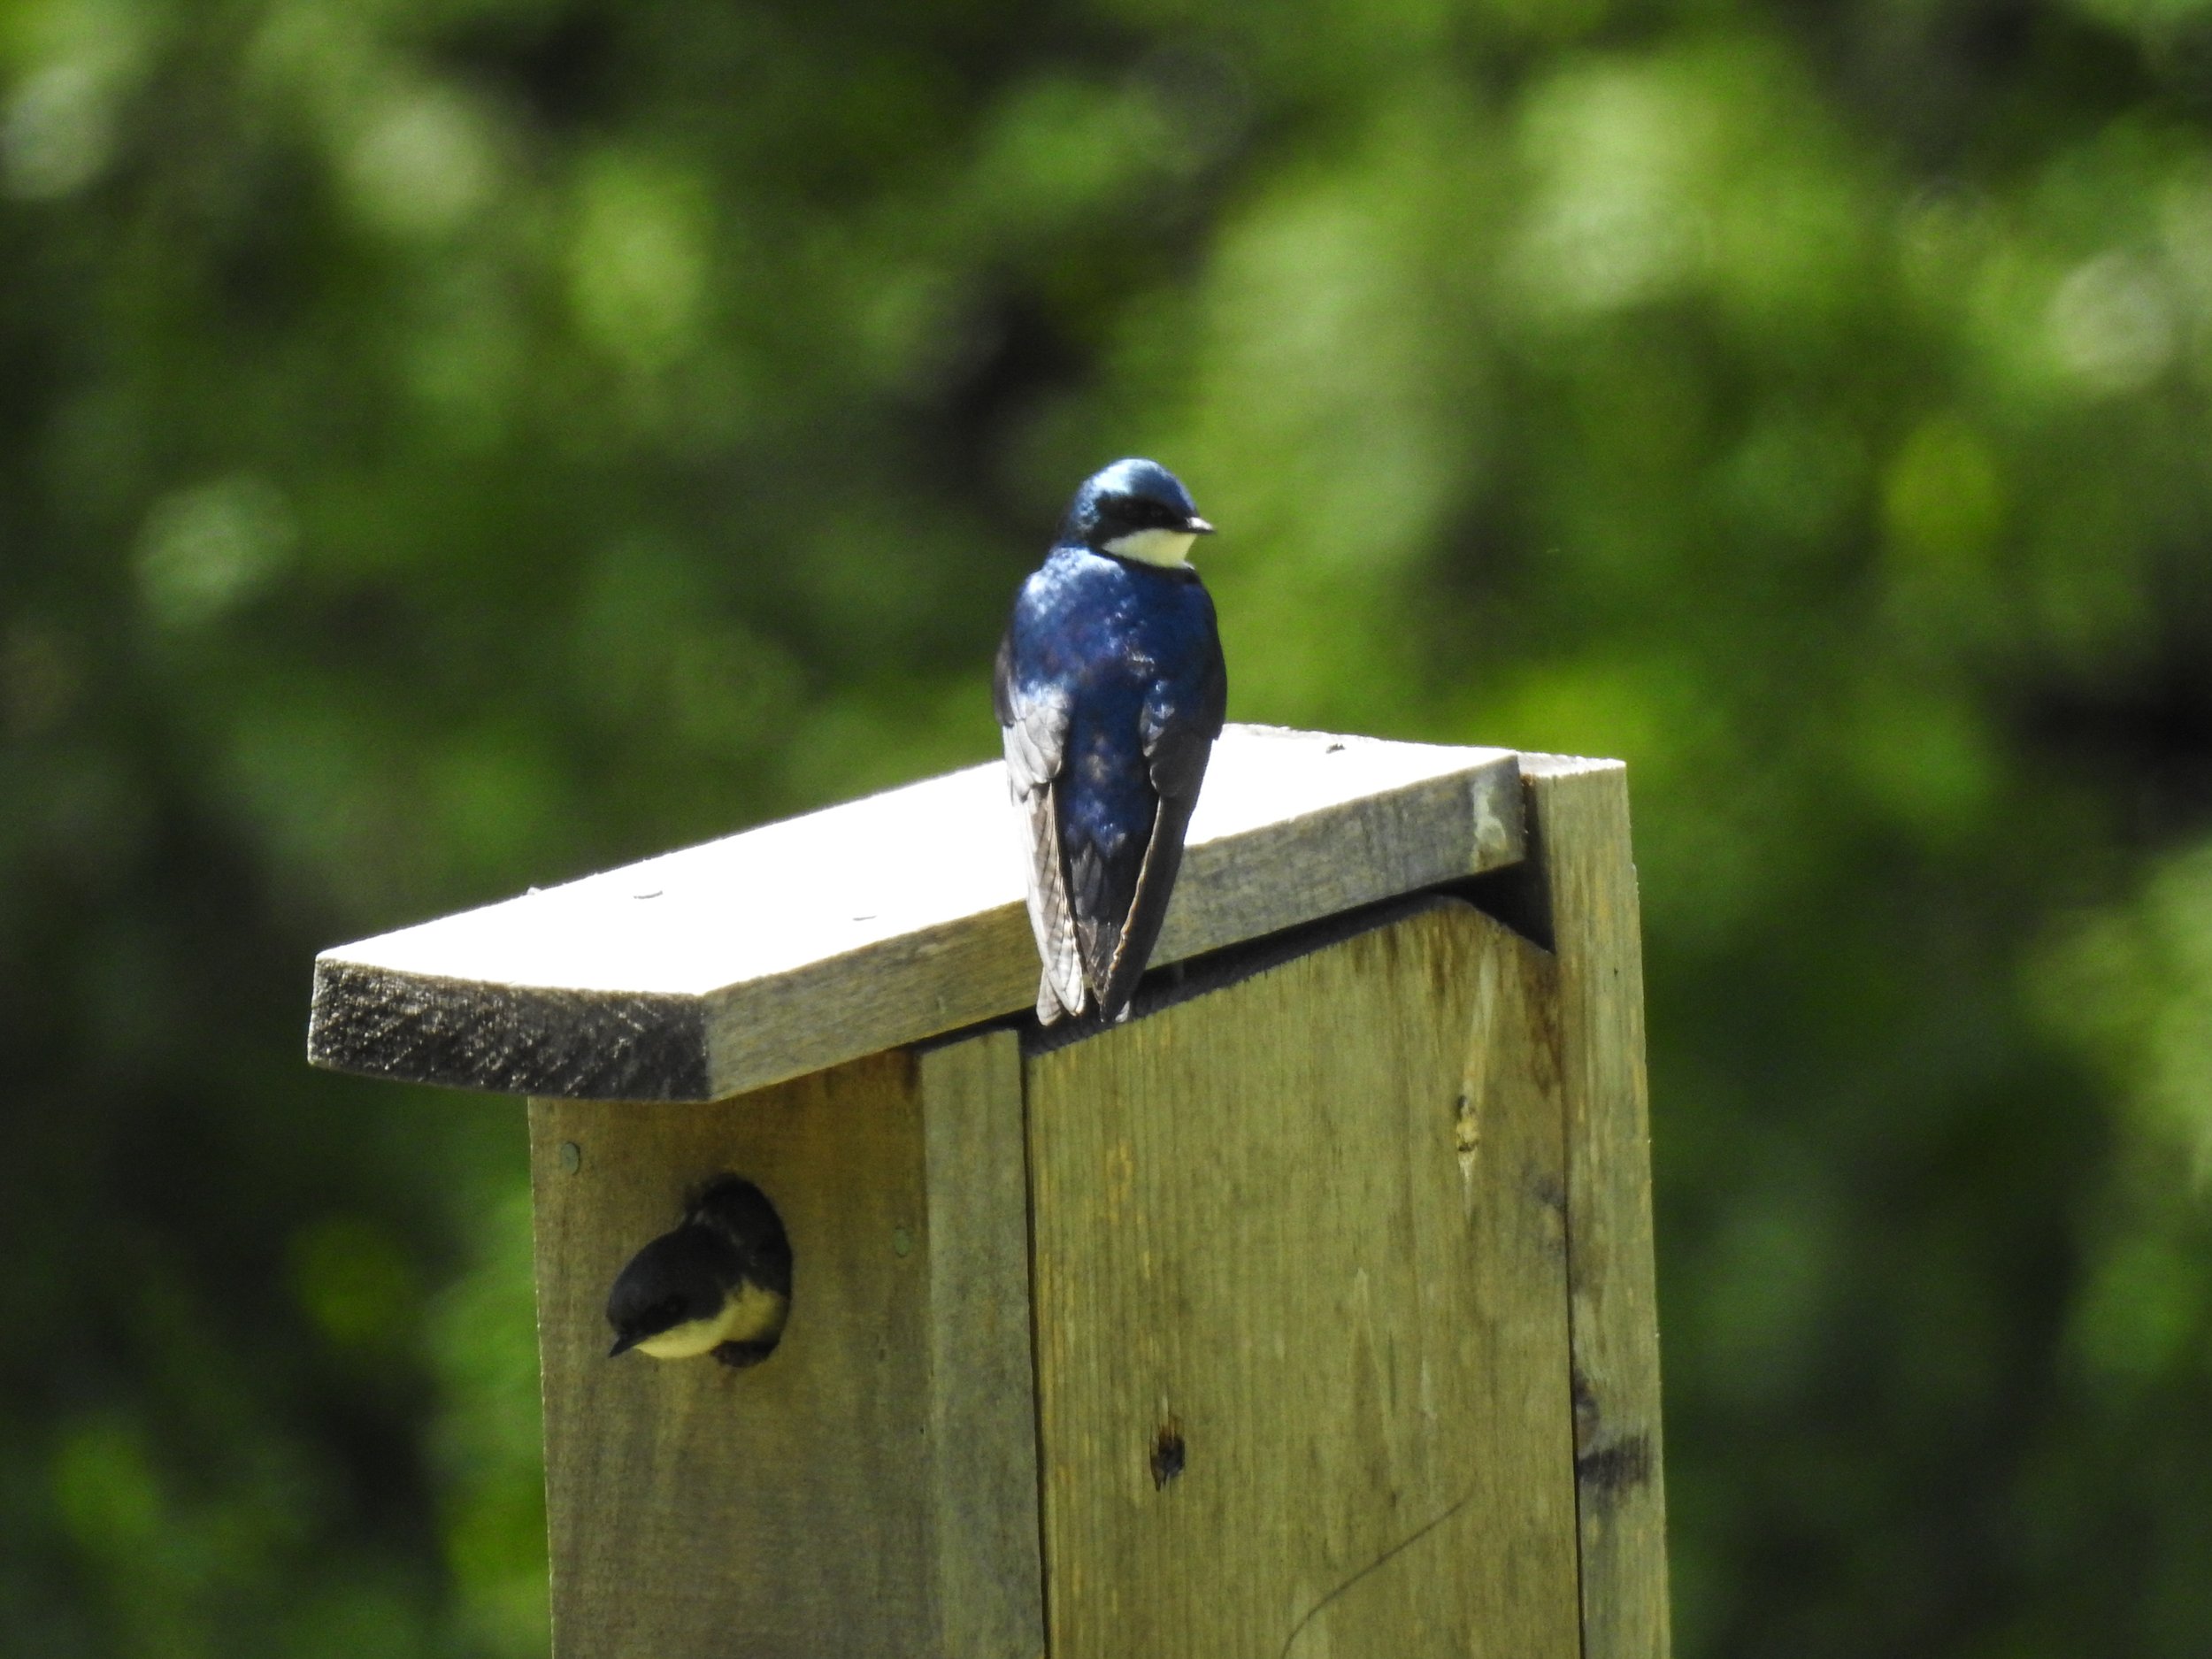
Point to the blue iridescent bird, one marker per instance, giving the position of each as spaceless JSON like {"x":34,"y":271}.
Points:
{"x":1110,"y":689}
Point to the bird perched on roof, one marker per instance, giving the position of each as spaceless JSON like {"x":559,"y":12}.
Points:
{"x":718,"y":1283}
{"x":1110,"y":689}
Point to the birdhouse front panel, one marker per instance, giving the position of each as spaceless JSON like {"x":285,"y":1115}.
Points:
{"x":867,"y":1488}
{"x":1302,"y":1310}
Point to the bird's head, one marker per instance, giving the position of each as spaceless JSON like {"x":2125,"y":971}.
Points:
{"x":671,"y":1300}
{"x":1134,"y":510}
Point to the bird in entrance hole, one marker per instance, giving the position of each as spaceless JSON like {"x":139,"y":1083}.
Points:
{"x":717,"y":1283}
{"x":1109,"y":691}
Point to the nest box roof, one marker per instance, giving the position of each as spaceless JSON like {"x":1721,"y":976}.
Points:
{"x":804,"y":943}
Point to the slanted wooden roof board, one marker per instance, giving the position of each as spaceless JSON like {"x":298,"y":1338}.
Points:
{"x":799,"y":944}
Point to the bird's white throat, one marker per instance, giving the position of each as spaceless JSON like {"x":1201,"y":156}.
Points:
{"x":752,"y":1315}
{"x":1154,"y":547}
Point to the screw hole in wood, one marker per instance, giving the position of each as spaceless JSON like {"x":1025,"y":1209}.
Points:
{"x":1169,"y":1454}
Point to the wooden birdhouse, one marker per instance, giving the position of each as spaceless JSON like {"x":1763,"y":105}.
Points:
{"x":1308,"y":1312}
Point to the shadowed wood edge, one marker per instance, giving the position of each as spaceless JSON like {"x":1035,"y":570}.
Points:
{"x":1581,"y":867}
{"x":1437,"y":814}
{"x":513,"y":1038}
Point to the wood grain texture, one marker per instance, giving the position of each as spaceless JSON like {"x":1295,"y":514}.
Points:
{"x":1582,"y":862}
{"x":810,"y":942}
{"x":1302,"y":1235}
{"x":816,"y":1504}
{"x":983,"y":1400}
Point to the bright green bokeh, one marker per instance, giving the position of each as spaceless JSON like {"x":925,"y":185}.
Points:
{"x":449,"y":445}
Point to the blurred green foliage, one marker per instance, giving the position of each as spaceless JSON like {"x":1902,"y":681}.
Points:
{"x":451,"y":444}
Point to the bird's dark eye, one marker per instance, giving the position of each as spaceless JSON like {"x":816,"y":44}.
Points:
{"x":1141,"y":513}
{"x":671,"y":1312}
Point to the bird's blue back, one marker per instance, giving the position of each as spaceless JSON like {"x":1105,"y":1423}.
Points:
{"x":1132,"y":648}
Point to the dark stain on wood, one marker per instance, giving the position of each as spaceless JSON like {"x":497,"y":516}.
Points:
{"x":1169,"y":1454}
{"x":1586,"y":1412}
{"x":1612,"y":1470}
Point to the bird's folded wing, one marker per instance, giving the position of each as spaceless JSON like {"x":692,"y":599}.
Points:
{"x":1176,"y":757}
{"x":1051,"y":916}
{"x":1035,"y":729}
{"x":1178,"y":743}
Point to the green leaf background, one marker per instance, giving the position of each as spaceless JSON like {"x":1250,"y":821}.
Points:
{"x":447,"y":445}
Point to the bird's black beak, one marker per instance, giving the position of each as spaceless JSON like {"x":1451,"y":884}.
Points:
{"x":1197,"y":525}
{"x":623,"y":1345}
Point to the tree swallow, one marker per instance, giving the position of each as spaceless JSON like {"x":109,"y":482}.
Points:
{"x":1110,"y":689}
{"x":718,"y":1283}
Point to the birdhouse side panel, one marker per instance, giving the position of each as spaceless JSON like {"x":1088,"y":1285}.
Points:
{"x":1582,"y":865}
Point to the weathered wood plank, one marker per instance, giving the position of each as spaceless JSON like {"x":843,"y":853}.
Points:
{"x":698,"y":1510}
{"x":1581,"y":858}
{"x":810,"y":942}
{"x":1301,"y":1237}
{"x":819,"y":1503}
{"x":983,"y":1400}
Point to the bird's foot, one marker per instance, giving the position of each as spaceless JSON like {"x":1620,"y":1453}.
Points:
{"x":738,"y":1356}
